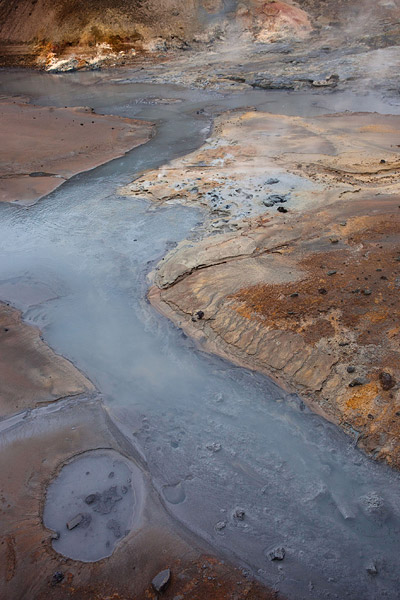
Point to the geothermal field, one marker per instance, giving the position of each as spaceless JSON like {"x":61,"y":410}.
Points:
{"x":200,"y":300}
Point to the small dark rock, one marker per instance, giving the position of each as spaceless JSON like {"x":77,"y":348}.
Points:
{"x":282,"y":209}
{"x":387,"y":381}
{"x":199,"y":314}
{"x":294,"y":295}
{"x":277,"y":554}
{"x":322,"y":291}
{"x":367,"y":292}
{"x":372,"y":569}
{"x":77,"y":520}
{"x":239,"y":514}
{"x":92,"y":498}
{"x":272,"y":181}
{"x":161,"y":581}
{"x":332,"y":272}
{"x":58,"y":576}
{"x":351,"y":369}
{"x":358,"y":381}
{"x":382,"y":161}
{"x":111,"y":475}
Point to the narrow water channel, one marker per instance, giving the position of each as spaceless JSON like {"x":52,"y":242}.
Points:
{"x":235,"y":459}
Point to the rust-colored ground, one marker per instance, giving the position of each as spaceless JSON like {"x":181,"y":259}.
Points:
{"x":302,"y":295}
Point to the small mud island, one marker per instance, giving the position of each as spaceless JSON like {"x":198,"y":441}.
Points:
{"x":234,"y":165}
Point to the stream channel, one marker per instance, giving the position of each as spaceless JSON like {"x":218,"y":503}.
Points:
{"x":216,"y":439}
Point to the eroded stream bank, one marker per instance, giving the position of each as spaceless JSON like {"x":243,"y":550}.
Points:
{"x":233,"y":459}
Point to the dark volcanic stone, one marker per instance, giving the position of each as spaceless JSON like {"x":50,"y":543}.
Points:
{"x":92,"y":498}
{"x":387,"y":381}
{"x":277,"y":554}
{"x":239,"y":514}
{"x":58,"y":576}
{"x":200,"y":314}
{"x":281,"y":209}
{"x":161,"y":581}
{"x":351,"y":369}
{"x":358,"y":381}
{"x":272,"y":181}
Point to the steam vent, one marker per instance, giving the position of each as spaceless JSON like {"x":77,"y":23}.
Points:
{"x":200,"y":300}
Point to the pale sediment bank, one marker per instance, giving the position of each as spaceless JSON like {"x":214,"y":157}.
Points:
{"x":44,"y":146}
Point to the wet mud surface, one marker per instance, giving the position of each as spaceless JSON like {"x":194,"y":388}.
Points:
{"x":230,"y":464}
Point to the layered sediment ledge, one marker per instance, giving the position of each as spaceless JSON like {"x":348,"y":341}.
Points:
{"x":296,"y":270}
{"x":44,"y":146}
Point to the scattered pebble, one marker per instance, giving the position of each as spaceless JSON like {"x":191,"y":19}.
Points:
{"x":351,"y":369}
{"x":214,"y":447}
{"x":358,"y":381}
{"x":77,"y":520}
{"x":332,"y":272}
{"x":387,"y":381}
{"x":239,"y":514}
{"x":277,"y":554}
{"x":282,"y":209}
{"x":58,"y":576}
{"x":161,"y":581}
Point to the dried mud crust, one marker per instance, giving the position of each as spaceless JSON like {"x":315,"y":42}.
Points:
{"x":311,"y":296}
{"x":44,"y":146}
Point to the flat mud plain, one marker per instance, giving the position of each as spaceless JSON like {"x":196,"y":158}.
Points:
{"x":292,"y":270}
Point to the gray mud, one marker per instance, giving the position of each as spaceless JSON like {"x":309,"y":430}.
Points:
{"x":92,"y":504}
{"x":234,"y":458}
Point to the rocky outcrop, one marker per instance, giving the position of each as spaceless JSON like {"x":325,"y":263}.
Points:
{"x":301,"y":281}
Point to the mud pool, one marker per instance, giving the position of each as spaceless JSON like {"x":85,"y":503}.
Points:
{"x":237,"y":461}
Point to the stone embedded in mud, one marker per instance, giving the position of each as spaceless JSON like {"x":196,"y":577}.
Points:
{"x":351,"y":369}
{"x":387,"y":381}
{"x":358,"y":381}
{"x":372,"y":569}
{"x":220,"y":525}
{"x":239,"y":514}
{"x":92,"y":498}
{"x":77,"y":520}
{"x":214,"y":447}
{"x":161,"y":581}
{"x":58,"y":577}
{"x":278,"y":553}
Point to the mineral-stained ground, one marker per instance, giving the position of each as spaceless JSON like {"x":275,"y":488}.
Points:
{"x":294,"y":270}
{"x":308,"y":295}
